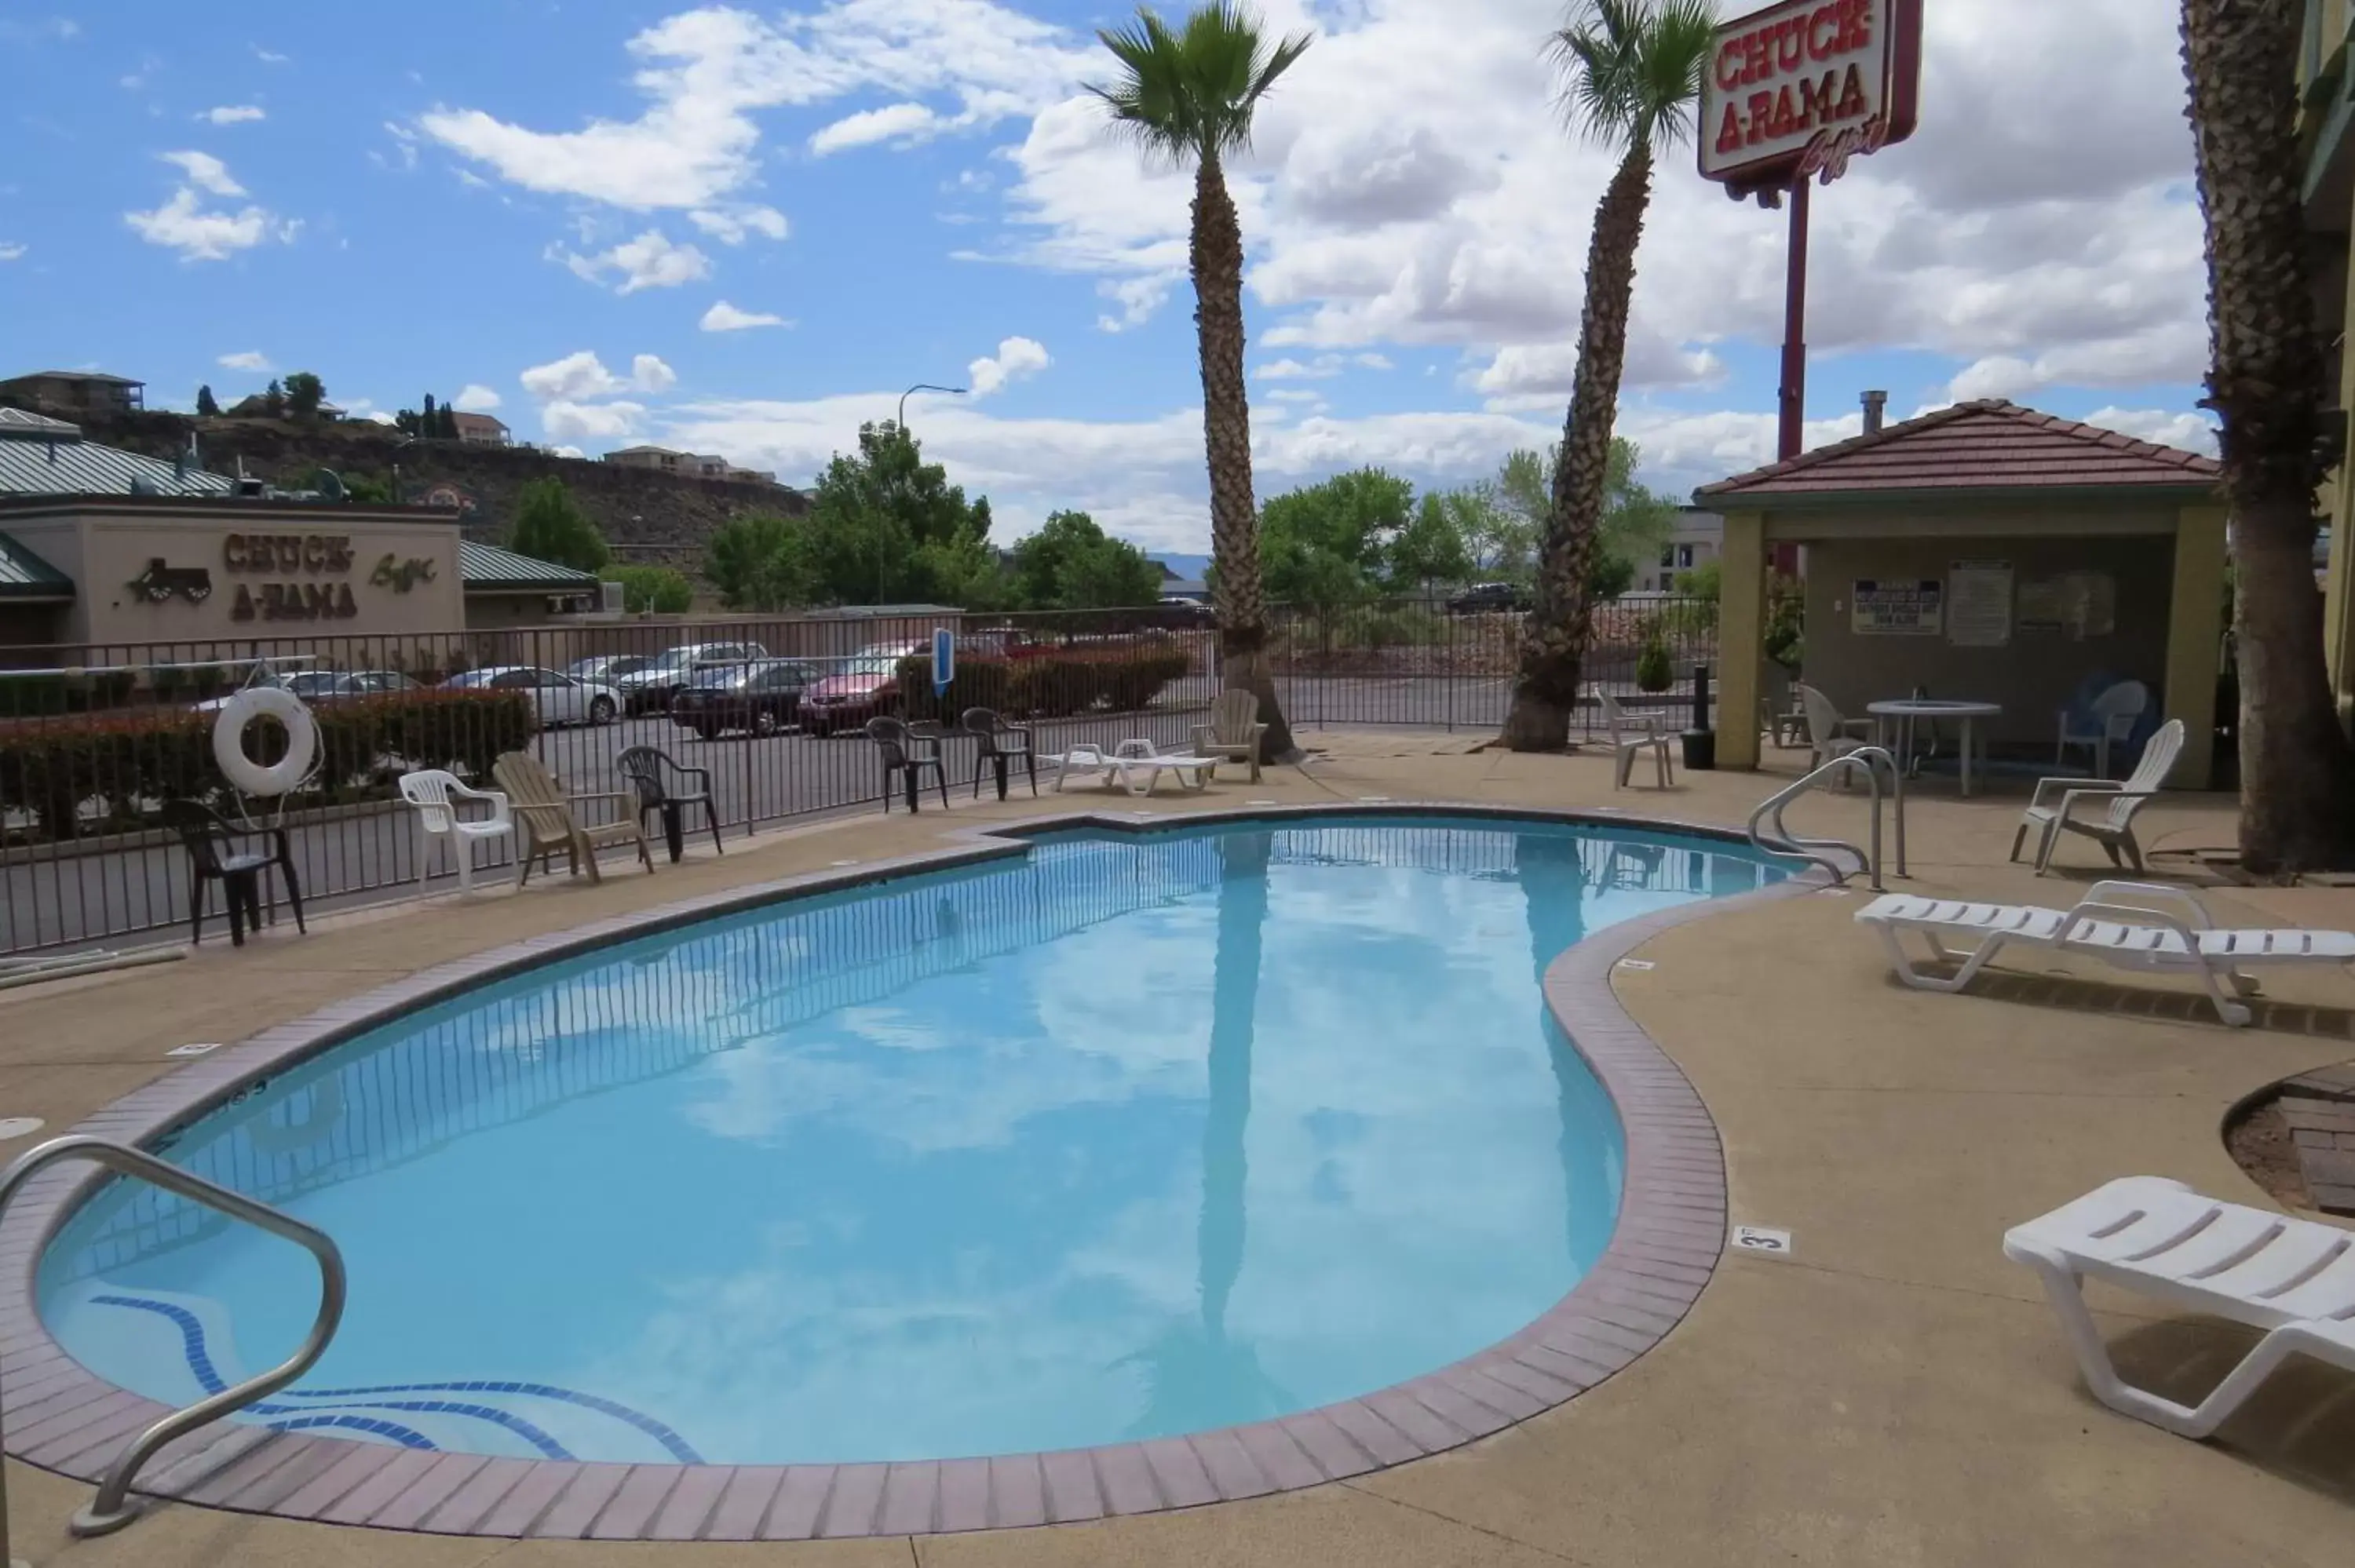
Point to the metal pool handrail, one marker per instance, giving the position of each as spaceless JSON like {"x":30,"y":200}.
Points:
{"x":107,"y":1511}
{"x":1780,"y":840}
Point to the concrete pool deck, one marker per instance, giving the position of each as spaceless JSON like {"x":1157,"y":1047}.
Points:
{"x":1892,"y":1392}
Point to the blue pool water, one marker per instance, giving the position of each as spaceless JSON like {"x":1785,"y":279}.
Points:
{"x":1131,"y":1137}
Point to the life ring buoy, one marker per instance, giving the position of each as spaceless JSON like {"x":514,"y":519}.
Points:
{"x":249,"y":776}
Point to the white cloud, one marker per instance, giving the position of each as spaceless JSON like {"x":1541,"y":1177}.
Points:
{"x":379,"y":416}
{"x":233,"y":114}
{"x":272,"y":56}
{"x":582,"y":375}
{"x":205,"y":172}
{"x":1295,"y":370}
{"x":903,"y":123}
{"x":246,"y":359}
{"x":649,"y":261}
{"x":475,"y":399}
{"x":10,"y":250}
{"x":590,"y":421}
{"x":1017,"y":358}
{"x":725,"y":317}
{"x":566,"y":451}
{"x":704,"y":73}
{"x":1373,"y":361}
{"x":2193,"y":433}
{"x":731,"y":225}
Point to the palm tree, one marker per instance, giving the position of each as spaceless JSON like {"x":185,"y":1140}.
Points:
{"x":1189,"y":95}
{"x":1635,"y":68}
{"x":2266,"y":382}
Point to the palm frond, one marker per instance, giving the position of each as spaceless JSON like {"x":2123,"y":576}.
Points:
{"x":1192,"y":92}
{"x":1633,"y":69}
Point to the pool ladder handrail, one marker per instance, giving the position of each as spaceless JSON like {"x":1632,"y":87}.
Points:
{"x":108,"y":1511}
{"x":1780,"y":840}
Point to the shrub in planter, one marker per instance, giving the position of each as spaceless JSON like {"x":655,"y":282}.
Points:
{"x":1654,"y":672}
{"x":977,"y":682}
{"x":43,"y":693}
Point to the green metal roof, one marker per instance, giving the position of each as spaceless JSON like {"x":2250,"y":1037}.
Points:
{"x":486,"y":569}
{"x":40,"y":456}
{"x":23,"y":575}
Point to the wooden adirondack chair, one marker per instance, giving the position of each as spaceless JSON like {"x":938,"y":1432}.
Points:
{"x":545,"y":813}
{"x":1232,"y":734}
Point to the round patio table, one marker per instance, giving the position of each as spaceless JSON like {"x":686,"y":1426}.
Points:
{"x":1907,"y":711}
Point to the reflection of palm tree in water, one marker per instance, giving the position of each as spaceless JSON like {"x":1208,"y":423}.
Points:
{"x":1197,"y":1376}
{"x":1553,"y":875}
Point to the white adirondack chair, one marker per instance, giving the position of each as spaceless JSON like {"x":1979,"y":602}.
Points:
{"x":436,"y":795}
{"x":1234,"y":730}
{"x":2119,"y":800}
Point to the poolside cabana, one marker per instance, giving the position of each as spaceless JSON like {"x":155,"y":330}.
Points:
{"x":1985,"y":552}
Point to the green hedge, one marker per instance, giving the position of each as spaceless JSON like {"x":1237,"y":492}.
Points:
{"x":1054,"y":685}
{"x":54,"y":692}
{"x":135,"y":760}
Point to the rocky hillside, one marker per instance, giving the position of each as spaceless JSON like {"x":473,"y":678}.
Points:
{"x":647,"y":516}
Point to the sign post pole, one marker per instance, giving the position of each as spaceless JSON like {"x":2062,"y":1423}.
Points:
{"x":1789,"y":439}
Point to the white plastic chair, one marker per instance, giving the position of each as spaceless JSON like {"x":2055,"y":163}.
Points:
{"x":2114,"y":716}
{"x":1131,"y":758}
{"x":436,"y":795}
{"x":1829,"y":735}
{"x":2293,"y":1279}
{"x":1632,"y":735}
{"x":2114,"y":829}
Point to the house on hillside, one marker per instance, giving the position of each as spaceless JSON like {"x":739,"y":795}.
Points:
{"x":687,"y":465}
{"x":662,"y":460}
{"x":482,"y":430}
{"x":70,"y":392}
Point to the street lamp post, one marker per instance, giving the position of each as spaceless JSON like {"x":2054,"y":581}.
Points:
{"x":921,"y":386}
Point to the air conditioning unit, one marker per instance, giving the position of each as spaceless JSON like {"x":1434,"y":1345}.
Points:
{"x":615,"y":599}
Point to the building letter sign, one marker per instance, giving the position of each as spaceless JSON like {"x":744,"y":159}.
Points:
{"x":1801,"y":87}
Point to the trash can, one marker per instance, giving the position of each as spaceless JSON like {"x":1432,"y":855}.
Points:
{"x":1700,"y":741}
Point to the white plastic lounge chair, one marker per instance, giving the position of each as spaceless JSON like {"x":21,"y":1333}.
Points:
{"x":436,"y":795}
{"x":2111,"y":721}
{"x":1632,"y":735}
{"x":1828,"y":734}
{"x":1080,"y":761}
{"x":1136,"y":759}
{"x":2294,"y":1278}
{"x":2127,"y":925}
{"x":2114,"y":829}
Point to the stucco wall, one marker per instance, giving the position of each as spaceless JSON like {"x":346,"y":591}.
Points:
{"x":2033,"y":675}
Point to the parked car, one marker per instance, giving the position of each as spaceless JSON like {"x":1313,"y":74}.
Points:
{"x":1485,"y":598}
{"x":651,"y":688}
{"x":762,"y":697}
{"x":864,"y":686}
{"x":607,"y":669}
{"x":556,"y":697}
{"x":324,"y":685}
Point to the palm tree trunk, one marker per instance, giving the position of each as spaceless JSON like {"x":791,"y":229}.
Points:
{"x":1553,"y":640}
{"x":1217,"y":257}
{"x":2266,"y":382}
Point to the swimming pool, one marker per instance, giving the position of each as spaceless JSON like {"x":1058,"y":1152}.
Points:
{"x":1134,"y":1136}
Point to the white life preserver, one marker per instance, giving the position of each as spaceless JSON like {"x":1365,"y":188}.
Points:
{"x":249,"y":776}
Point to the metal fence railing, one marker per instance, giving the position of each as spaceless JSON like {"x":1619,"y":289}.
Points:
{"x":1410,"y":661}
{"x":94,"y":740}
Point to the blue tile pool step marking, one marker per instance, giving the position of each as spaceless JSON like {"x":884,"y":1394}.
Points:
{"x":298,"y":1417}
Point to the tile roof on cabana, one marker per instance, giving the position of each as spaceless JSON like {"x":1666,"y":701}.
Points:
{"x":1987,"y":445}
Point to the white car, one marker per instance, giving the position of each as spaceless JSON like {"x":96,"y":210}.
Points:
{"x":555,"y":697}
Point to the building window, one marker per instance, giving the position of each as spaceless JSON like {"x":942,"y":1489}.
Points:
{"x":1684,"y":556}
{"x":1668,"y":555}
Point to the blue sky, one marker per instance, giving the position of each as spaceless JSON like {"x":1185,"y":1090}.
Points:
{"x":557,"y":204}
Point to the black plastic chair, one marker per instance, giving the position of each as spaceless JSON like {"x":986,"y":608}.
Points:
{"x":214,"y":856}
{"x":908,"y":753}
{"x":649,"y":771}
{"x":996,"y":746}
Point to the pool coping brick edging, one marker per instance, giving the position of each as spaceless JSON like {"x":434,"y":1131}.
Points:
{"x":1664,"y":1248}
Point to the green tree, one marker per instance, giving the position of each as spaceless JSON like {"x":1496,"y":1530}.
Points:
{"x":740,"y":559}
{"x":664,"y":590}
{"x":446,"y":427}
{"x":304,"y":393}
{"x":1326,"y":544}
{"x":1635,"y":521}
{"x":1189,"y":96}
{"x":273,"y":399}
{"x":2266,"y":382}
{"x":1704,"y":581}
{"x":1635,"y":70}
{"x":207,"y":406}
{"x":1431,"y":548}
{"x":550,"y":527}
{"x":887,"y":528}
{"x":429,"y":423}
{"x":1072,"y":564}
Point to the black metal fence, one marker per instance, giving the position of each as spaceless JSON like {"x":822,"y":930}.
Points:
{"x":94,"y":740}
